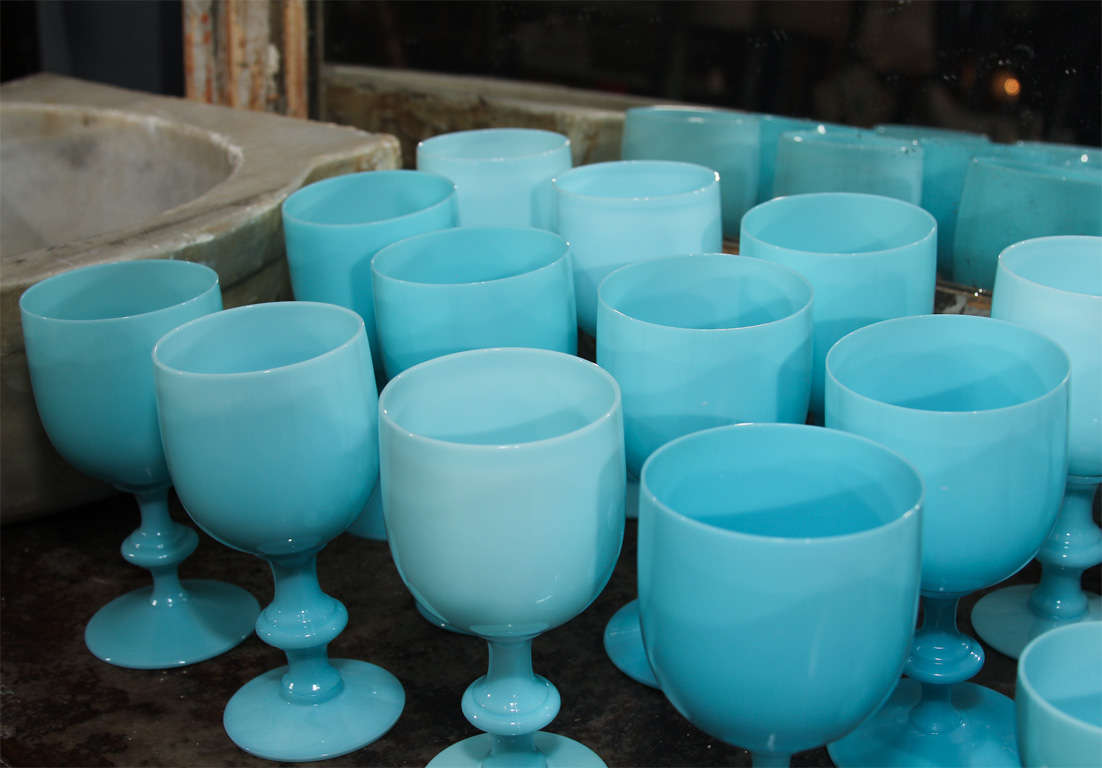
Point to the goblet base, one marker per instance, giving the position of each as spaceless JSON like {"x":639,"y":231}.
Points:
{"x":263,"y":723}
{"x":131,"y":631}
{"x":370,"y":523}
{"x":986,"y":736}
{"x":559,"y":751}
{"x":624,"y":645}
{"x":1004,"y":620}
{"x":435,"y":620}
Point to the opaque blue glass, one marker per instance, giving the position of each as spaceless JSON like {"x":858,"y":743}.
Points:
{"x":979,"y":407}
{"x":632,"y":210}
{"x":1053,"y":285}
{"x":843,"y":159}
{"x":502,"y":175}
{"x":769,"y":553}
{"x":772,"y":126}
{"x":868,"y":258}
{"x":695,"y":342}
{"x":1005,"y":201}
{"x":88,"y":335}
{"x":726,"y":141}
{"x":334,"y":227}
{"x":270,"y":426}
{"x":1072,"y":155}
{"x":1059,"y":698}
{"x":945,"y":158}
{"x":471,"y":288}
{"x":503,"y":490}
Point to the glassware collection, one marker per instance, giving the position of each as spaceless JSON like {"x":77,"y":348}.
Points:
{"x":814,"y":457}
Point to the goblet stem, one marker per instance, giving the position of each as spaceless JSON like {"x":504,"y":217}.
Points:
{"x":770,"y":759}
{"x":159,"y":545}
{"x":941,"y":655}
{"x":510,"y":700}
{"x":1074,"y":545}
{"x":302,"y":621}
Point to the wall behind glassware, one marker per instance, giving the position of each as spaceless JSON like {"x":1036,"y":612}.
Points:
{"x":1015,"y":70}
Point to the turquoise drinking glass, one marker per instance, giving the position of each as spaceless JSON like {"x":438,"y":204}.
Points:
{"x":334,"y":227}
{"x":1073,"y":155}
{"x":869,"y":258}
{"x":945,"y":158}
{"x":1059,"y":698}
{"x":771,"y":129}
{"x":503,"y":489}
{"x":980,"y":408}
{"x":625,"y":211}
{"x":270,"y":425}
{"x":471,"y":288}
{"x":726,"y":141}
{"x":844,"y":159}
{"x":1005,"y":201}
{"x":764,"y":550}
{"x":695,"y":342}
{"x":1053,"y":285}
{"x":88,"y":335}
{"x":502,"y":175}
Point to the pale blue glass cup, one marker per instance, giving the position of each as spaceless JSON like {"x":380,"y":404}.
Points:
{"x":844,"y":159}
{"x":980,"y":408}
{"x":1073,"y":155}
{"x":270,"y":425}
{"x":1059,"y":698}
{"x":620,"y":212}
{"x":502,"y":175}
{"x":1005,"y":201}
{"x":471,"y":288}
{"x":334,"y":227}
{"x":1053,"y":285}
{"x":771,"y":129}
{"x":868,"y":257}
{"x":726,"y":141}
{"x":945,"y":158}
{"x":503,"y":489}
{"x":88,"y":335}
{"x":764,"y":551}
{"x":694,"y":342}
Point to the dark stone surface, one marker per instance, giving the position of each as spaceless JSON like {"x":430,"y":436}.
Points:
{"x":63,"y":707}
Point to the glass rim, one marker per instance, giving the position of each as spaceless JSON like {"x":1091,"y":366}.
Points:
{"x":1016,"y":249}
{"x":596,"y":168}
{"x":359,"y":176}
{"x":1024,"y":678}
{"x":430,"y":147}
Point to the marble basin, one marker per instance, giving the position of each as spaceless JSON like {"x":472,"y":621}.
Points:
{"x":91,"y":173}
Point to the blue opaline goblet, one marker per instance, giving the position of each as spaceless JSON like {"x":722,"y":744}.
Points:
{"x":721,"y":139}
{"x":334,"y":227}
{"x":1053,"y":285}
{"x":945,"y":158}
{"x":696,"y":342}
{"x":778,"y":581}
{"x":471,"y":288}
{"x":88,"y":334}
{"x":1006,"y":200}
{"x":620,"y":212}
{"x":1059,"y":698}
{"x":844,"y":159}
{"x":502,"y":175}
{"x":772,"y":126}
{"x":869,"y":258}
{"x":270,"y":425}
{"x":979,"y":407}
{"x":503,"y":489}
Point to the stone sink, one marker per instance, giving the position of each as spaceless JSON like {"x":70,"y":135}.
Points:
{"x":91,"y":173}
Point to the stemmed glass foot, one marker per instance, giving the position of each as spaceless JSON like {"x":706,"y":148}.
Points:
{"x":546,"y":749}
{"x":624,"y":644}
{"x":1008,"y":619}
{"x":171,"y":623}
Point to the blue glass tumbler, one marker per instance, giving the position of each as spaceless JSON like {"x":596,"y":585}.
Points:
{"x":980,"y":408}
{"x":88,"y":335}
{"x":502,"y":175}
{"x":869,"y":258}
{"x":764,"y":551}
{"x":694,"y":342}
